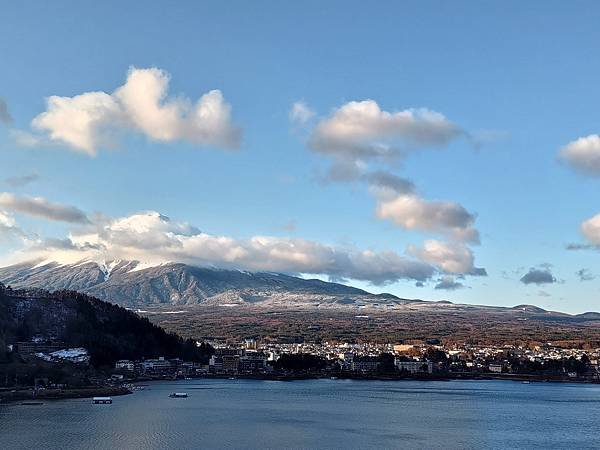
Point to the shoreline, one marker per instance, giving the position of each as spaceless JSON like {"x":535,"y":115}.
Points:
{"x":27,"y":395}
{"x":366,"y":377}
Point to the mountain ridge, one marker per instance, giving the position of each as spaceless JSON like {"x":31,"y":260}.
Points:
{"x":133,"y":283}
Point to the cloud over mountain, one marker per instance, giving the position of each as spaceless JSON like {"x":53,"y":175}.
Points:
{"x":93,"y":120}
{"x":152,"y":237}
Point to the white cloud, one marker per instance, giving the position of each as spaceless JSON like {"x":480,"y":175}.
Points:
{"x":412,"y":212}
{"x":40,"y":207}
{"x":8,"y":227}
{"x":92,"y":120}
{"x":301,"y":113}
{"x":151,"y":237}
{"x":583,"y":154}
{"x":360,"y":133}
{"x":361,"y":130}
{"x":449,"y":258}
{"x":591,"y":229}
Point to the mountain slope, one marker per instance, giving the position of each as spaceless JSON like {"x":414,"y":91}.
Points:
{"x":108,"y":332}
{"x":131,"y":283}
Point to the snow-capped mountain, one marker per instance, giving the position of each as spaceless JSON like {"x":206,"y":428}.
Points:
{"x":136,"y":284}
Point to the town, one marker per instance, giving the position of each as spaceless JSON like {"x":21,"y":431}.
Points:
{"x":428,"y":360}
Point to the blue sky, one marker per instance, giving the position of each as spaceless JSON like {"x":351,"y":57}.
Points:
{"x":521,"y":78}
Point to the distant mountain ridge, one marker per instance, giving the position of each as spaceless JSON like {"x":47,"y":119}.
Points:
{"x":135,"y":284}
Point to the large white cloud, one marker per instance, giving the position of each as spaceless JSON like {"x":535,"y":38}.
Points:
{"x":93,"y":120}
{"x":153,"y":238}
{"x":362,"y":130}
{"x":412,"y":212}
{"x":40,"y":207}
{"x":583,"y":154}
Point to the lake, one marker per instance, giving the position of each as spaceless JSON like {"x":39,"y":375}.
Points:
{"x":332,"y":414}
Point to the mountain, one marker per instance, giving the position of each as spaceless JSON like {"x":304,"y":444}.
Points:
{"x":134,"y":284}
{"x":108,"y":332}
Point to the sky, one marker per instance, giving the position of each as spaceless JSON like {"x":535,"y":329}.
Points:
{"x":433,"y":150}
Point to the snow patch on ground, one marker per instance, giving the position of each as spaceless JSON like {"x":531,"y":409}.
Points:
{"x":147,"y":265}
{"x":76,"y":355}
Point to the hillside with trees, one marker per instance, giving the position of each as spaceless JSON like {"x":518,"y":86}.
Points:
{"x":108,"y":332}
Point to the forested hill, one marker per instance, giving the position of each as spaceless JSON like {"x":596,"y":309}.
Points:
{"x":107,"y":331}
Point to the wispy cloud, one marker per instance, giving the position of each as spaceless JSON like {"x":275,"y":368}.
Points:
{"x":22,"y":180}
{"x":301,"y":113}
{"x":40,"y":207}
{"x":5,"y":116}
{"x":585,"y":275}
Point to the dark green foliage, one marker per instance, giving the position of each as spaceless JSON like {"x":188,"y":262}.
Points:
{"x":386,"y":363}
{"x":107,"y":331}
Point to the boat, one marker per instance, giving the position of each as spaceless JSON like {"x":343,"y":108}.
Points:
{"x":102,"y":400}
{"x":526,"y":382}
{"x":178,"y":395}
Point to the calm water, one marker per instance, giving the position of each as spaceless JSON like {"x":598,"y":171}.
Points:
{"x":316,"y":414}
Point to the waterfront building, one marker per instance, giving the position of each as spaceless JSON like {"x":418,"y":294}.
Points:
{"x":414,"y":366}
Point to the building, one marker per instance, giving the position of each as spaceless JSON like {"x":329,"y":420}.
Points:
{"x":495,"y":368}
{"x":252,"y":362}
{"x":365,"y":364}
{"x":125,"y":364}
{"x":159,"y":366}
{"x":414,"y":366}
{"x":215,"y":364}
{"x":231,"y":363}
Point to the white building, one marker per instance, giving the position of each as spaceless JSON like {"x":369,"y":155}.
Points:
{"x":414,"y":366}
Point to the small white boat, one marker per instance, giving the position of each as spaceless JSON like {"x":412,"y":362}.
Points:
{"x":526,"y":382}
{"x":178,"y":395}
{"x":102,"y":400}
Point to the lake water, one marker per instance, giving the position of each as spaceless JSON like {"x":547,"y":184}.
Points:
{"x":316,"y":414}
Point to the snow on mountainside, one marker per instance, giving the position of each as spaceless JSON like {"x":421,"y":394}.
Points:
{"x":132,"y":283}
